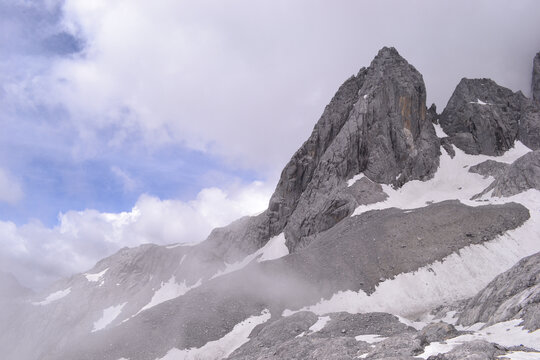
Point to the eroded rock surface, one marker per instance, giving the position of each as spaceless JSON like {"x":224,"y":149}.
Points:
{"x":489,"y":168}
{"x":522,"y":175}
{"x":515,"y":294}
{"x":529,"y":125}
{"x":482,"y":117}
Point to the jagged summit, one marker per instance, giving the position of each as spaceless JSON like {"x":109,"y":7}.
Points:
{"x":483,"y":117}
{"x":375,"y":124}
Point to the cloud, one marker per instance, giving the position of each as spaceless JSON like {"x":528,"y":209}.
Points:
{"x":247,"y":80}
{"x":10,"y":190}
{"x":38,"y":255}
{"x":129,"y":184}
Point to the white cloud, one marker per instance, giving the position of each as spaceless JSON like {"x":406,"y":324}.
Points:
{"x":37,"y":254}
{"x":242,"y":77}
{"x":10,"y":189}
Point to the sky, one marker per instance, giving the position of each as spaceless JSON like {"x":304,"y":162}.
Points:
{"x":127,"y":121}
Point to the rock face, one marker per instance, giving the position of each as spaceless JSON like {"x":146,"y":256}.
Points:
{"x":482,"y":117}
{"x":536,"y":78}
{"x":529,"y":125}
{"x":514,"y":294}
{"x":376,"y":124}
{"x":522,"y":175}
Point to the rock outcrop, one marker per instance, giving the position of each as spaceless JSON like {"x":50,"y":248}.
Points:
{"x":482,"y":117}
{"x":529,"y":125}
{"x":515,"y":294}
{"x":522,"y":175}
{"x":536,"y":78}
{"x":291,"y":337}
{"x":489,"y":168}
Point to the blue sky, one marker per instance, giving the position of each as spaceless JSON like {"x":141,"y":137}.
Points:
{"x":58,"y":170}
{"x":127,"y":121}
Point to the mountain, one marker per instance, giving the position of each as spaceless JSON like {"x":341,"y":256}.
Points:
{"x":393,"y":232}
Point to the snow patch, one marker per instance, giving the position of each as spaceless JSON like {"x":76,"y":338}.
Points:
{"x":275,"y":248}
{"x":507,"y":333}
{"x":320,"y":324}
{"x":173,"y":246}
{"x":109,"y":314}
{"x":223,"y":347}
{"x":355,"y":178}
{"x":452,"y":181}
{"x":54,"y":297}
{"x":95,"y":277}
{"x":168,"y":291}
{"x":370,"y":338}
{"x":439,"y":131}
{"x":479,"y":102}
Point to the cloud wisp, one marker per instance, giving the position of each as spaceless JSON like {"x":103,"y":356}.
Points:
{"x":10,"y":189}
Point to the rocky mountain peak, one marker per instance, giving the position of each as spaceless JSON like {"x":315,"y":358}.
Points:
{"x":376,"y":124}
{"x":482,"y":117}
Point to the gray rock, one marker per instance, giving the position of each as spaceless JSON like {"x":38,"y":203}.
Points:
{"x":522,"y":175}
{"x":489,"y":168}
{"x":439,"y":331}
{"x":288,"y":338}
{"x":536,"y":78}
{"x":515,"y":294}
{"x":482,"y":117}
{"x":529,"y":125}
{"x":298,"y":173}
{"x":398,"y":346}
{"x":236,"y":240}
{"x":432,"y":114}
{"x":309,"y":348}
{"x":472,"y":350}
{"x":446,"y":144}
{"x":345,"y":324}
